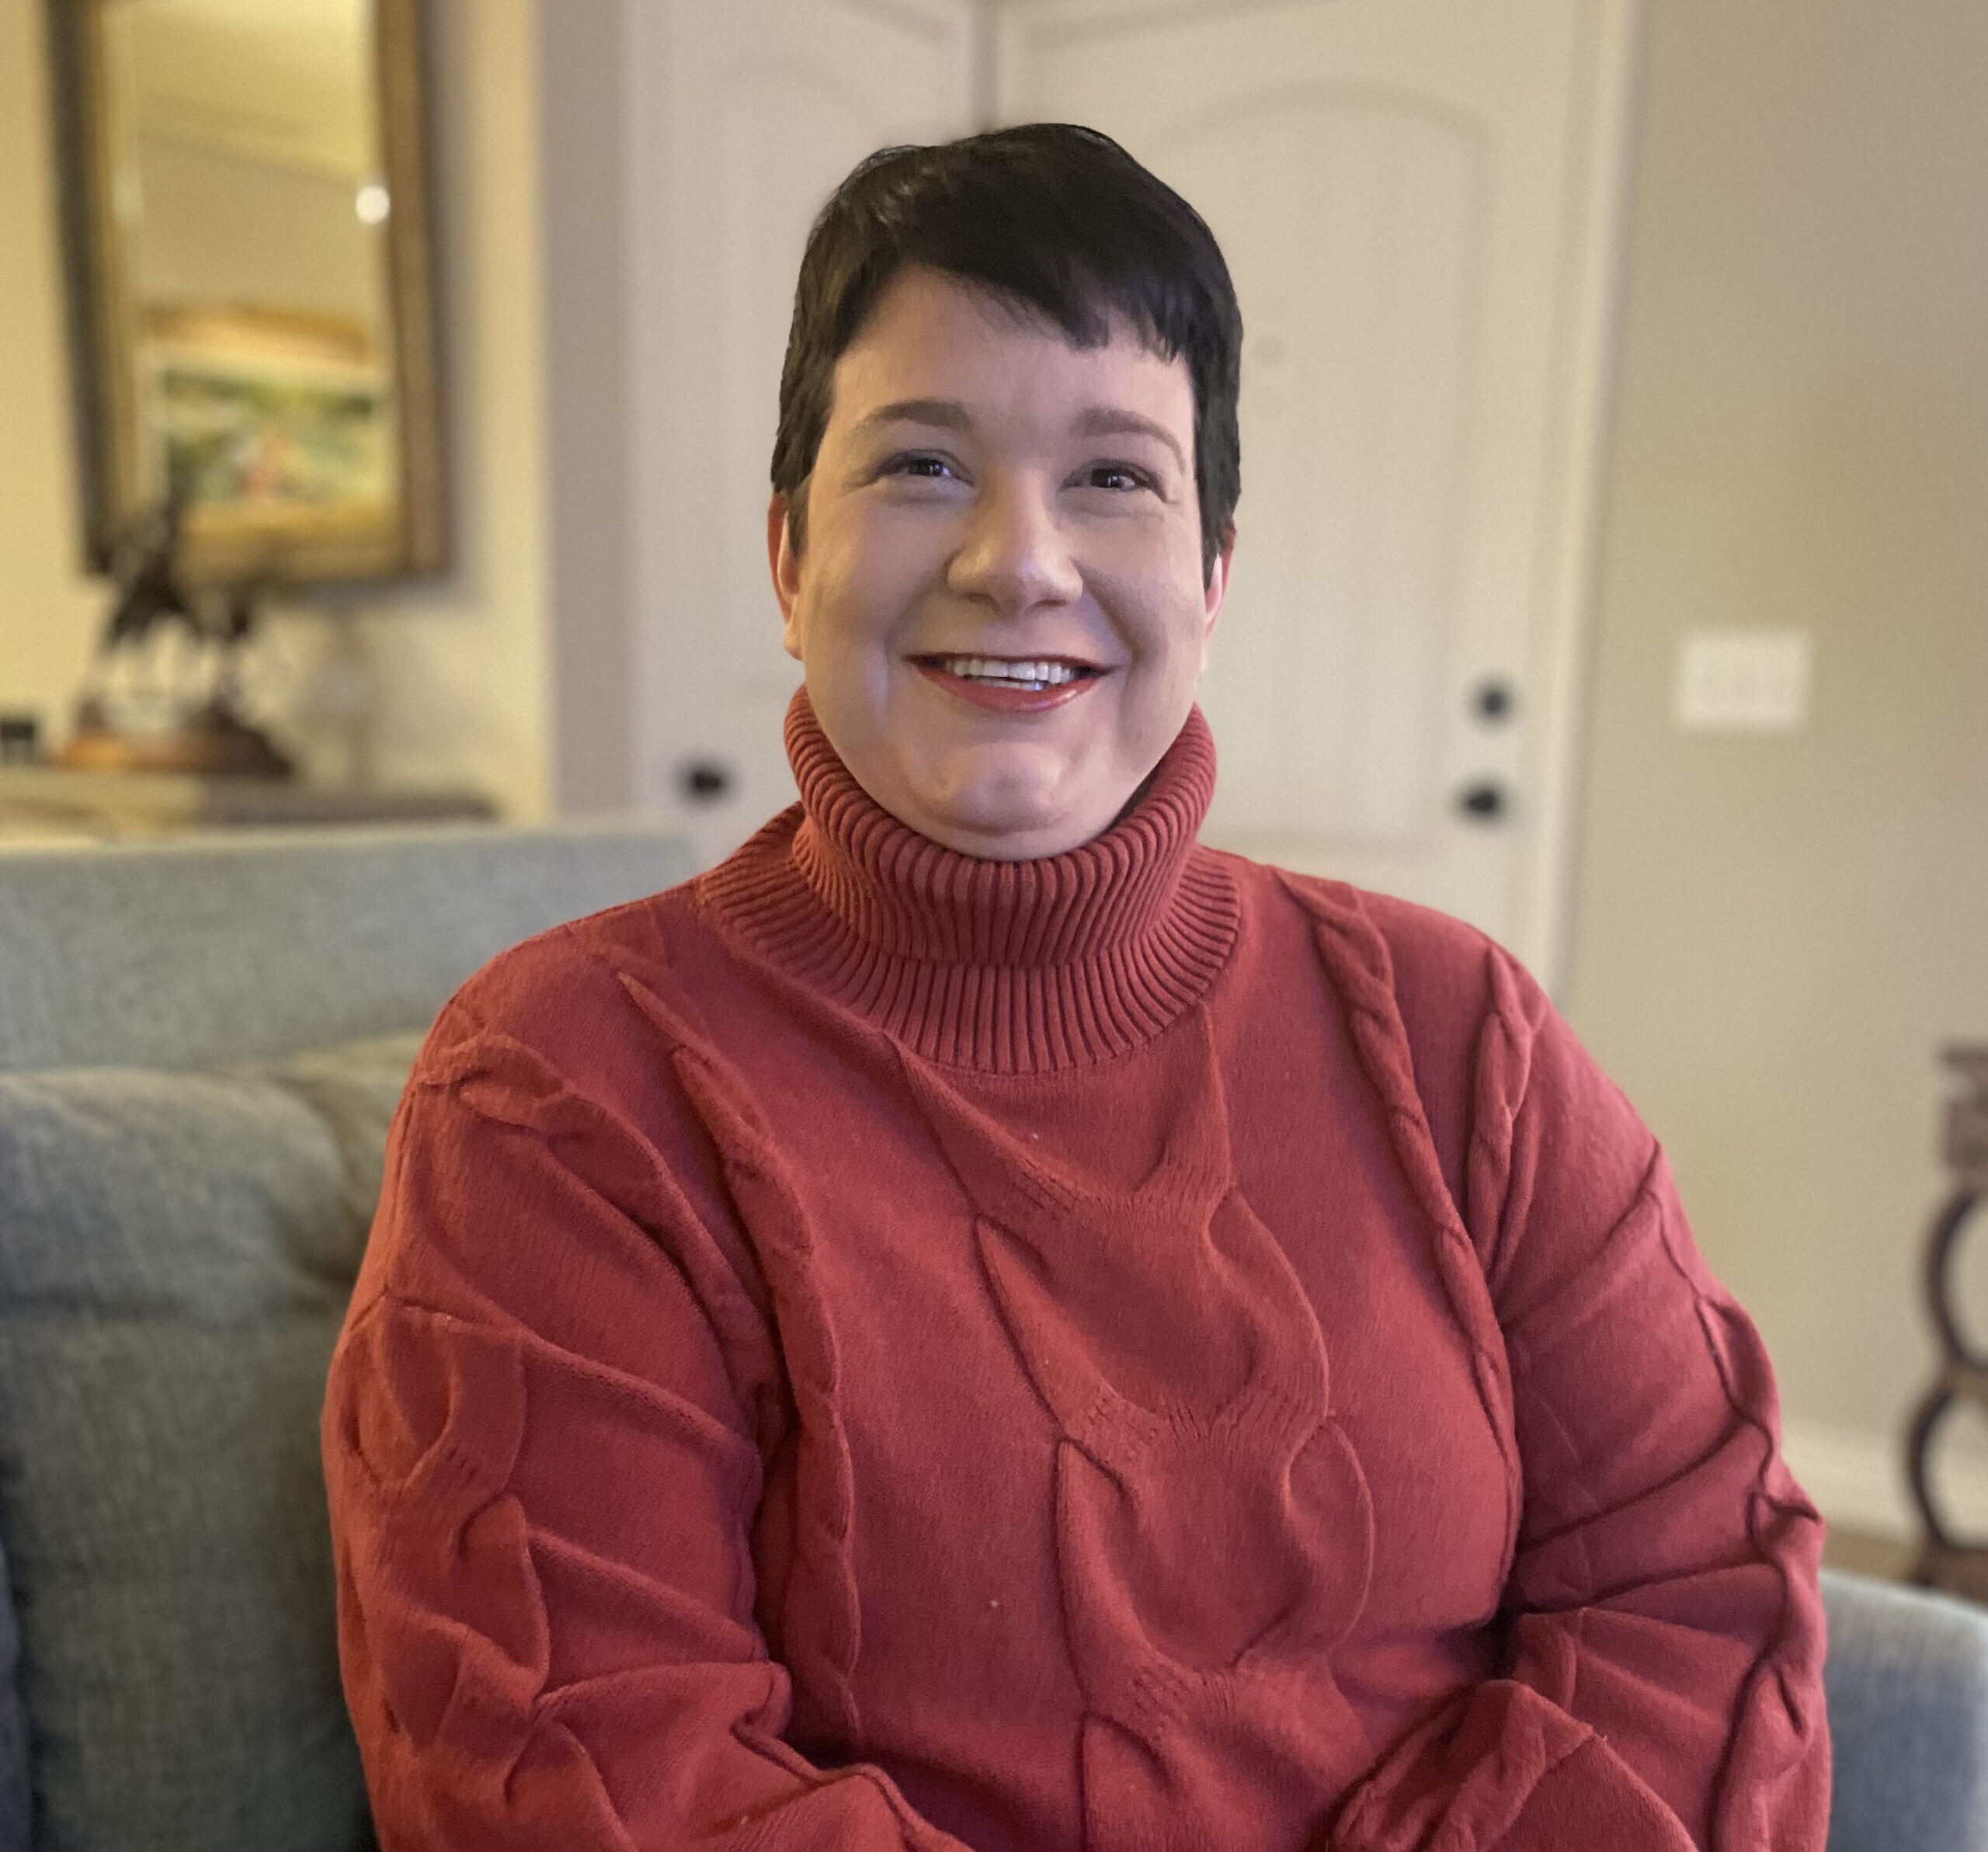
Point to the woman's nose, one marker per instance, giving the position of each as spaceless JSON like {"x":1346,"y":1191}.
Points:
{"x":1016,"y":555}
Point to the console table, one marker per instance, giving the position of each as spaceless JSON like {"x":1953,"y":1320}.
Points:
{"x":38,"y":800}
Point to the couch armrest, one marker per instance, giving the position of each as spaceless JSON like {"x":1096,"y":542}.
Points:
{"x":1907,"y":1681}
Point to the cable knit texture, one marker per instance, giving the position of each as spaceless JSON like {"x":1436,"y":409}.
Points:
{"x":1131,"y":1351}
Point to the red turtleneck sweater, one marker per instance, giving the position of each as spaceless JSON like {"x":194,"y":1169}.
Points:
{"x":873,"y":1349}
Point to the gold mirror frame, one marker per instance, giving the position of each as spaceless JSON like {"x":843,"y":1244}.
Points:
{"x":282,"y":548}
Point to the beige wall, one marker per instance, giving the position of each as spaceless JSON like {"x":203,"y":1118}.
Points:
{"x":1773,"y":935}
{"x":459,"y":662}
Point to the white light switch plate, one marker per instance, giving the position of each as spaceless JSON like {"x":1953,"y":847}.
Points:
{"x":1744,"y":681}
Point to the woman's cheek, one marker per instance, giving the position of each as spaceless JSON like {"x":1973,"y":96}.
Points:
{"x":1136,"y":604}
{"x":903,"y":547}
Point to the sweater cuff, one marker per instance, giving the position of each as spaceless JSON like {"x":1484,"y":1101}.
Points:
{"x":1506,"y":1770}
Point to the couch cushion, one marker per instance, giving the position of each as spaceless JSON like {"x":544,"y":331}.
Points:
{"x":1907,"y":1679}
{"x":176,"y":1250}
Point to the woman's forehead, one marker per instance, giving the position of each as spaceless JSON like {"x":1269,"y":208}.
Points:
{"x":934,"y":339}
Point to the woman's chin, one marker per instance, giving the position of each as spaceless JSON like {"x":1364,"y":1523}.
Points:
{"x":1007,"y":812}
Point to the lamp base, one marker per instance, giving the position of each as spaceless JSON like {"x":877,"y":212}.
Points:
{"x":213,"y":739}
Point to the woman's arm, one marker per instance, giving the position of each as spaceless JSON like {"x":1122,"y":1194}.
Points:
{"x":1663,"y":1663}
{"x":541,"y":1443}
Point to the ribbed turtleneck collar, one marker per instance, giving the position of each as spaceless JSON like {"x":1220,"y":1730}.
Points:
{"x":1011,"y":967}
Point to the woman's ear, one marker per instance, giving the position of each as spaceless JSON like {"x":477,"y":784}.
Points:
{"x":785,"y":564}
{"x":1214,"y":591}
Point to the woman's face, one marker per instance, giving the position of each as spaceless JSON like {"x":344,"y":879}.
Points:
{"x":999,"y":604}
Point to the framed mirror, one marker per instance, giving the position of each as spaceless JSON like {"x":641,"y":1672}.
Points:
{"x":245,"y":195}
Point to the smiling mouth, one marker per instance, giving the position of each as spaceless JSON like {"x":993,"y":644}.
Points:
{"x":1032,"y":675}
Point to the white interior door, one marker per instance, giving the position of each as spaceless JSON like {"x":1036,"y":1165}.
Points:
{"x":1417,"y":200}
{"x":741,"y":119}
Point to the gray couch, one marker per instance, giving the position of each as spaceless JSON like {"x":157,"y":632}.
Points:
{"x":200,"y":1046}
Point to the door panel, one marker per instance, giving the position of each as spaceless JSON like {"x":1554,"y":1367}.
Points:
{"x":1327,"y":675}
{"x":742,"y":118}
{"x":1417,"y":200}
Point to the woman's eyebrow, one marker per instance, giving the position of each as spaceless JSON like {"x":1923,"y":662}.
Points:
{"x":1109,"y":421}
{"x":948,"y":414}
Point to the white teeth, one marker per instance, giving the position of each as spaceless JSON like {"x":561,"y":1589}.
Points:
{"x":996,"y":669}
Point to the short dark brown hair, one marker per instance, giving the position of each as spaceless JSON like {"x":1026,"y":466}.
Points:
{"x":1056,"y":220}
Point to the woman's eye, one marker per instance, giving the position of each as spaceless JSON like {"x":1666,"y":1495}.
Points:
{"x":1117,"y":476}
{"x":930,"y":469}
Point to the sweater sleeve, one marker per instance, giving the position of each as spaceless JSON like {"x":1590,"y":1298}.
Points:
{"x":543,"y":1444}
{"x":1661,"y":1681}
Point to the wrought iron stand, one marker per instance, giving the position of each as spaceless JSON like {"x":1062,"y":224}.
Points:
{"x":1944,"y":1561}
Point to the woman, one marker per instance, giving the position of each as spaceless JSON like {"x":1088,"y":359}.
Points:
{"x":981,"y":1322}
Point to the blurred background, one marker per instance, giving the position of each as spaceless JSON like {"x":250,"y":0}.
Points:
{"x":1613,"y":565}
